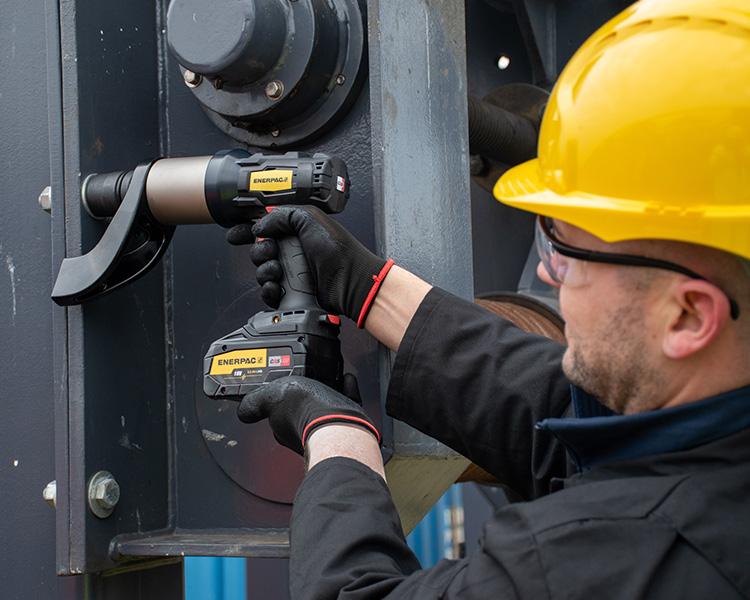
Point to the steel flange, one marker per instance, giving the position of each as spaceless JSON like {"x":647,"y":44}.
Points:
{"x":270,"y":73}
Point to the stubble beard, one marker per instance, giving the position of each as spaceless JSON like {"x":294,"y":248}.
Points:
{"x":612,"y":364}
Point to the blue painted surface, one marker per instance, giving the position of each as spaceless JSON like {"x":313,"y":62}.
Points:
{"x":211,"y":578}
{"x":431,"y":539}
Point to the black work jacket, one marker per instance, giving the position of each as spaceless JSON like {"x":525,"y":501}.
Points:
{"x":674,"y":524}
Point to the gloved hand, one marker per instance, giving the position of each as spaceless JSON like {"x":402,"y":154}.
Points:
{"x":347,"y":275}
{"x":296,"y":406}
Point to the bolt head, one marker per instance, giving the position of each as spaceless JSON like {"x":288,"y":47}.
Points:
{"x":49,"y":493}
{"x":45,"y":199}
{"x":274,"y":89}
{"x":341,"y":79}
{"x":191,"y":78}
{"x":275,"y":132}
{"x":107,"y":493}
{"x":477,"y":165}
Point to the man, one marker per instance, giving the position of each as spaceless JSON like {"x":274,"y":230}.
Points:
{"x":632,"y":444}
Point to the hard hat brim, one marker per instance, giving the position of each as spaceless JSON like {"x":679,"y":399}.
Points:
{"x":522,"y":187}
{"x":617,"y":219}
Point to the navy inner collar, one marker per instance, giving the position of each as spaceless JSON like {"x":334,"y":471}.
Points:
{"x":596,"y":435}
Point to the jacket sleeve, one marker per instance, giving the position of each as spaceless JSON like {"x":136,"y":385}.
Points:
{"x":479,"y":384}
{"x":347,"y":544}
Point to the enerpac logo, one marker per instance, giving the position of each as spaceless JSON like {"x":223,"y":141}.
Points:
{"x":242,"y":362}
{"x":271,"y":181}
{"x":224,"y":364}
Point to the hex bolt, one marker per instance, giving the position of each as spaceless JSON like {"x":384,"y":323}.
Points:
{"x":45,"y":199}
{"x":103,"y":494}
{"x":274,"y":89}
{"x":477,"y":165}
{"x":341,"y":79}
{"x":49,"y":493}
{"x":191,"y":78}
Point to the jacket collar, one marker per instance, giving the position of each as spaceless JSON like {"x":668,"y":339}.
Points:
{"x":597,"y":436}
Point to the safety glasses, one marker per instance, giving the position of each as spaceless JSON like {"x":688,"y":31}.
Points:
{"x":567,"y":264}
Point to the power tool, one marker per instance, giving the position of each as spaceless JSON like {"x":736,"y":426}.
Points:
{"x":229,"y":188}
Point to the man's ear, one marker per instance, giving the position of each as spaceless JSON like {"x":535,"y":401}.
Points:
{"x":702,"y":311}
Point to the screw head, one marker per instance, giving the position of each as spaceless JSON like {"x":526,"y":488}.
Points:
{"x":340,"y":79}
{"x":276,"y":132}
{"x":274,"y":89}
{"x":107,"y":493}
{"x":49,"y":493}
{"x":103,"y":494}
{"x":45,"y":199}
{"x":191,"y":78}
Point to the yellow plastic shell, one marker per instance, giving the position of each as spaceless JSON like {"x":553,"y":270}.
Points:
{"x":647,"y":131}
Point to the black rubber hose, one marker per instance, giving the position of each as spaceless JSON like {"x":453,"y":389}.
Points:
{"x":102,"y":194}
{"x":499,"y":134}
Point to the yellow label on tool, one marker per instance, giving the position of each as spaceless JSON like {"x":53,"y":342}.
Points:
{"x":224,"y":364}
{"x":271,"y":181}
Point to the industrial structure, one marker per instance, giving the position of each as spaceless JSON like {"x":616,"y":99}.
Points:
{"x":115,"y":463}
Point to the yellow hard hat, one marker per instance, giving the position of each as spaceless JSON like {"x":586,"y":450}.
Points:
{"x":647,"y":131}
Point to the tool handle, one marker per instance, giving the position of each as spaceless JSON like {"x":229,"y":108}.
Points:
{"x":297,"y":280}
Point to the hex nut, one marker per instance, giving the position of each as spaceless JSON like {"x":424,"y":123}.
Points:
{"x":191,"y":78}
{"x":49,"y":493}
{"x":103,"y":494}
{"x":477,"y":165}
{"x":45,"y":199}
{"x":274,"y":89}
{"x":107,"y":493}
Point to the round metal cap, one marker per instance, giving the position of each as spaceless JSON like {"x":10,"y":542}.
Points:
{"x":238,"y":40}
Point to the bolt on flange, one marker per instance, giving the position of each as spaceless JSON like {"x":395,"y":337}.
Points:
{"x":103,"y":494}
{"x":49,"y":493}
{"x":45,"y":199}
{"x":274,"y":89}
{"x":192,"y":79}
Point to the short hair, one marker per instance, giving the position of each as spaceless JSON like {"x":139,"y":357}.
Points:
{"x":745,"y":264}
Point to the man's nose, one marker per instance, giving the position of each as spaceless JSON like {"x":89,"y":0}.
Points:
{"x":542,"y":273}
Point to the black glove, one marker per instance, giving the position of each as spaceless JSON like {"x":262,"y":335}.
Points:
{"x":296,"y":406}
{"x":347,"y":275}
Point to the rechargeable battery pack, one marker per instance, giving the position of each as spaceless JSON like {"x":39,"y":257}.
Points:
{"x":272,"y":345}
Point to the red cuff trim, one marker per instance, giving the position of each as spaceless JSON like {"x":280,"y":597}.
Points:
{"x":378,"y":279}
{"x":370,"y":427}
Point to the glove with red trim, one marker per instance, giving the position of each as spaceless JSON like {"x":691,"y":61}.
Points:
{"x":347,"y":275}
{"x":297,"y":406}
